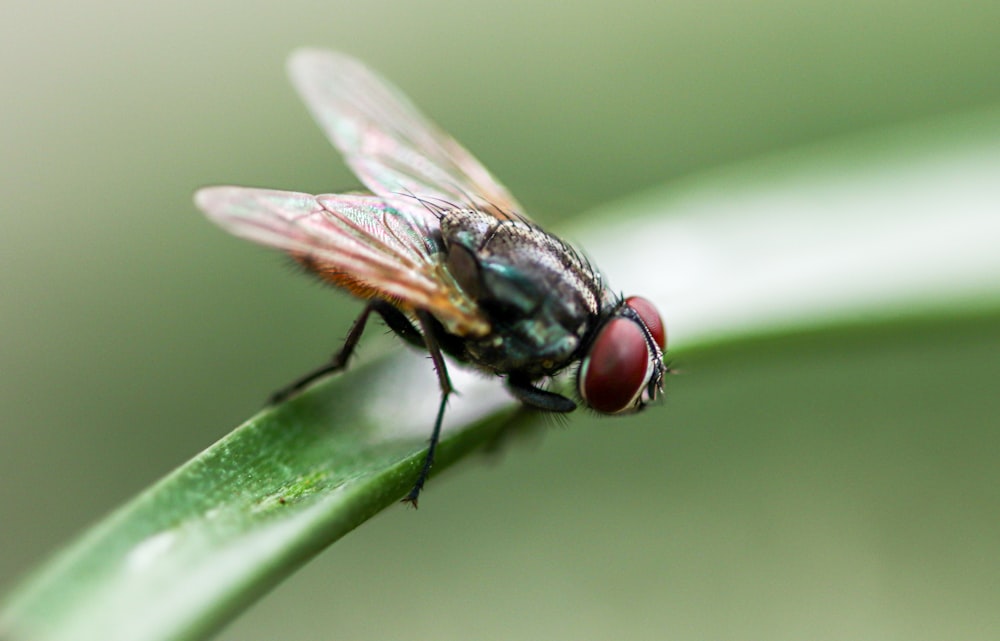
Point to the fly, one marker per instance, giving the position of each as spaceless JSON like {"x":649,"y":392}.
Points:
{"x":444,"y":255}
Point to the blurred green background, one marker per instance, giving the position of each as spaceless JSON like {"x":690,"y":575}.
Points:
{"x":839,"y":484}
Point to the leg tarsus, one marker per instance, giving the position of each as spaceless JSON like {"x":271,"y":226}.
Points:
{"x":446,"y":389}
{"x":425,"y":470}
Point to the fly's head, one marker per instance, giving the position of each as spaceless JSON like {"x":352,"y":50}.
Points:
{"x":623,"y":368}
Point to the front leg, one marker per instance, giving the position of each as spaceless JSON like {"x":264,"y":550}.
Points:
{"x":537,"y":398}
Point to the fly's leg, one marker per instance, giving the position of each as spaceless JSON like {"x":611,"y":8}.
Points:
{"x":395,"y":319}
{"x":337,"y":363}
{"x":537,"y":398}
{"x":399,"y":324}
{"x":427,"y":325}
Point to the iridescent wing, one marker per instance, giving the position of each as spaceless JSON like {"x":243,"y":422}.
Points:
{"x":356,"y":242}
{"x":394,"y":149}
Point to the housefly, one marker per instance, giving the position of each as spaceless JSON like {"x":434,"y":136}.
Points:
{"x":446,"y":257}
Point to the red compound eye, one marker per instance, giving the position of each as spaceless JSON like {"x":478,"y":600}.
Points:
{"x":615,"y":372}
{"x":647,"y":312}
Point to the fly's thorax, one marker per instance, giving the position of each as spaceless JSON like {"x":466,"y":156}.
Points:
{"x":468,"y":227}
{"x":540,"y":296}
{"x":516,"y":249}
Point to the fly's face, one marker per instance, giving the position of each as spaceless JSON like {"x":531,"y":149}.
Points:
{"x":623,"y":368}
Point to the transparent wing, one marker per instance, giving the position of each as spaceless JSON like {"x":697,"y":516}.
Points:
{"x":356,"y":242}
{"x":396,"y":152}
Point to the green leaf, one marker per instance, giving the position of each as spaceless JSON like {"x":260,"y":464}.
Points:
{"x":898,"y":223}
{"x":200,"y":545}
